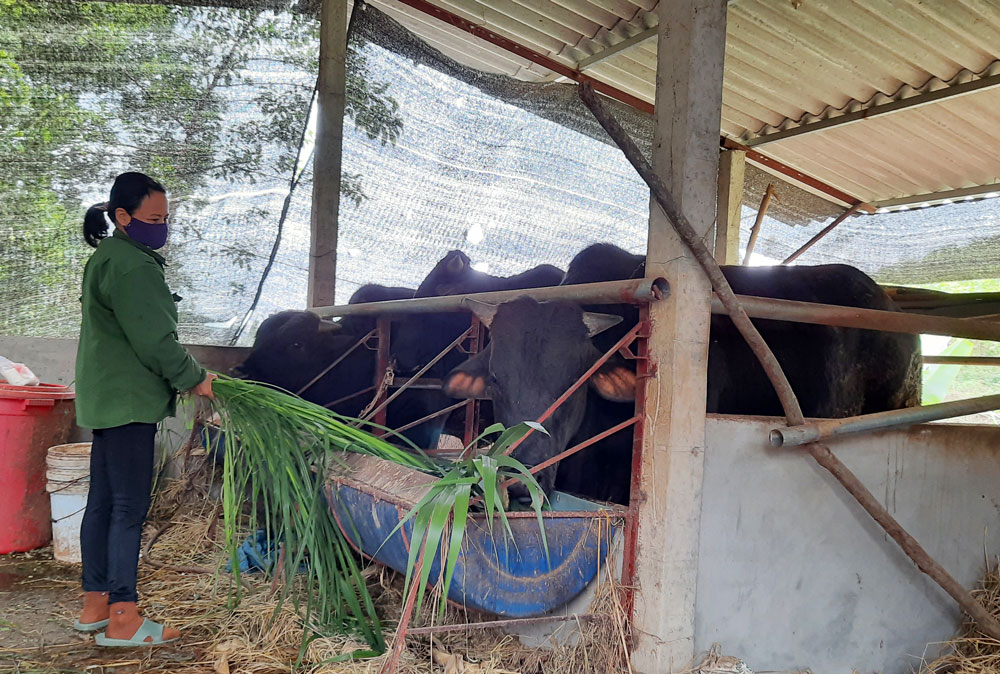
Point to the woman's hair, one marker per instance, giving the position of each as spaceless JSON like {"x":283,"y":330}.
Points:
{"x":127,"y":192}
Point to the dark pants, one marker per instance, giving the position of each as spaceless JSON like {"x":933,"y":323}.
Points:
{"x":121,"y":475}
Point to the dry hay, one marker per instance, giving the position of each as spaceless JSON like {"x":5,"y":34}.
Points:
{"x":972,"y":652}
{"x":263,"y":635}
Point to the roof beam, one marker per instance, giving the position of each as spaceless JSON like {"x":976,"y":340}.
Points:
{"x":993,"y":190}
{"x":616,"y":48}
{"x":910,"y":103}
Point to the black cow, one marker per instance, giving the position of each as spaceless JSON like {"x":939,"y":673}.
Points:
{"x":423,"y":336}
{"x":539,"y":350}
{"x":293,"y":347}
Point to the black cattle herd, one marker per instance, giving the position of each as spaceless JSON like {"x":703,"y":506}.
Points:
{"x":536,"y":350}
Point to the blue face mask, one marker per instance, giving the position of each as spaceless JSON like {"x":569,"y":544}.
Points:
{"x":147,"y":233}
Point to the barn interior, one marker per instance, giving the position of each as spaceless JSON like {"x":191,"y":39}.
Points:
{"x":863,"y":130}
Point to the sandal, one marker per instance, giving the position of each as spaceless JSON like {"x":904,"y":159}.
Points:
{"x":90,"y":627}
{"x":148,"y":630}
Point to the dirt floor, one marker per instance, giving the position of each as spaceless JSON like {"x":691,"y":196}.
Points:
{"x":39,"y":599}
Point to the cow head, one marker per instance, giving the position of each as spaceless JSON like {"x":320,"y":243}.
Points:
{"x":420,"y":337}
{"x":538,"y":350}
{"x":291,"y":347}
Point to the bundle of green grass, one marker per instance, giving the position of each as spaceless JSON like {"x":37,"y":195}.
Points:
{"x":279,"y":446}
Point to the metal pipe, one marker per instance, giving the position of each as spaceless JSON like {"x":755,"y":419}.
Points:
{"x":962,"y":360}
{"x":865,"y":319}
{"x":433,"y":415}
{"x":335,"y":363}
{"x":823,"y":232}
{"x":632,"y":291}
{"x":534,"y":470}
{"x":412,"y":380}
{"x":755,"y":232}
{"x":793,"y":436}
{"x":336,"y":402}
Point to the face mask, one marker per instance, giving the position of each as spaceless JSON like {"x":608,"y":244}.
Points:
{"x":147,"y":233}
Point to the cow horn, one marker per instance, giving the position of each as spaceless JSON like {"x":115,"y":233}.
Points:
{"x":485,"y":312}
{"x":329,"y":326}
{"x":598,"y":323}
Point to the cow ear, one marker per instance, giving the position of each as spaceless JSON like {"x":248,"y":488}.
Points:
{"x":615,"y":382}
{"x":598,"y":323}
{"x":468,"y":380}
{"x":483,"y":311}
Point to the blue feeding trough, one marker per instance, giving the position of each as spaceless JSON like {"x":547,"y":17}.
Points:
{"x":495,"y":573}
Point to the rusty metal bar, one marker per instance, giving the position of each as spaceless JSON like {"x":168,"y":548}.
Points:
{"x":335,"y":363}
{"x":348,"y":397}
{"x":793,"y":411}
{"x":534,"y":470}
{"x":865,"y":319}
{"x":434,"y":415}
{"x":643,"y":369}
{"x":823,"y":232}
{"x":510,"y":622}
{"x":384,"y":328}
{"x":413,"y":380}
{"x":627,"y":339}
{"x":632,"y":291}
{"x":962,"y":360}
{"x":755,"y":232}
{"x":793,"y":436}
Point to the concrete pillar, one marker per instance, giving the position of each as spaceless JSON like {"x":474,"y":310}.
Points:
{"x":328,"y":153}
{"x":732,"y":170}
{"x":686,"y":155}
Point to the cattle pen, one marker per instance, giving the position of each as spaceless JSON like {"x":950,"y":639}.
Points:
{"x":862,"y":556}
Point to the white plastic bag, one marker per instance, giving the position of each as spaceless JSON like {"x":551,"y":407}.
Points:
{"x":17,"y":374}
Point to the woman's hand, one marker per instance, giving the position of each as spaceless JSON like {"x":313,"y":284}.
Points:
{"x":205,"y":387}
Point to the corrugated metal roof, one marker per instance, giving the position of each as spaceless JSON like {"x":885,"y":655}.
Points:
{"x":788,"y":62}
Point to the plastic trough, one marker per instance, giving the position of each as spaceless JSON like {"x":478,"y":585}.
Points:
{"x":369,"y":496}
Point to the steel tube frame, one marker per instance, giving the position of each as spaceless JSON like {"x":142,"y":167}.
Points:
{"x":822,"y":233}
{"x":794,"y":436}
{"x":631,"y":291}
{"x":865,"y":319}
{"x":335,"y":363}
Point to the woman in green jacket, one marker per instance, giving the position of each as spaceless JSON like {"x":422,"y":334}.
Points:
{"x":129,"y":369}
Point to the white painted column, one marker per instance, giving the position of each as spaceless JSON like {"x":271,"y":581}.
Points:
{"x":686,"y":155}
{"x":328,"y":153}
{"x":732,"y":172}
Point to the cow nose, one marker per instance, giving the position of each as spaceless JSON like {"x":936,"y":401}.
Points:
{"x":238,"y":372}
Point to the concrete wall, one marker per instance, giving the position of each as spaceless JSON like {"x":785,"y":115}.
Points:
{"x":54,"y":361}
{"x":794,"y":574}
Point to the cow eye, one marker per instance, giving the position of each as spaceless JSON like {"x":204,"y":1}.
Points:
{"x":296,"y":345}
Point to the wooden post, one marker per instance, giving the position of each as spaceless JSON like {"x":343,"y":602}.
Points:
{"x":690,"y":57}
{"x":328,"y":153}
{"x":732,"y":171}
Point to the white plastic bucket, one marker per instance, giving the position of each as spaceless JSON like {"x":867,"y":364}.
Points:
{"x":68,"y":475}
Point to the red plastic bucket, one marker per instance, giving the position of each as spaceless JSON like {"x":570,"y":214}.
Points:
{"x":32,"y":419}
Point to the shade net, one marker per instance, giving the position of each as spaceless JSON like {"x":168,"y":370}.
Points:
{"x":217,"y":102}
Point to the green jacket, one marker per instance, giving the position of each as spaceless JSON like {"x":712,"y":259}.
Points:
{"x":129,"y":364}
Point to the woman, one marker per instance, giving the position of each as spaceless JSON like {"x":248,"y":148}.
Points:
{"x":129,"y":369}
